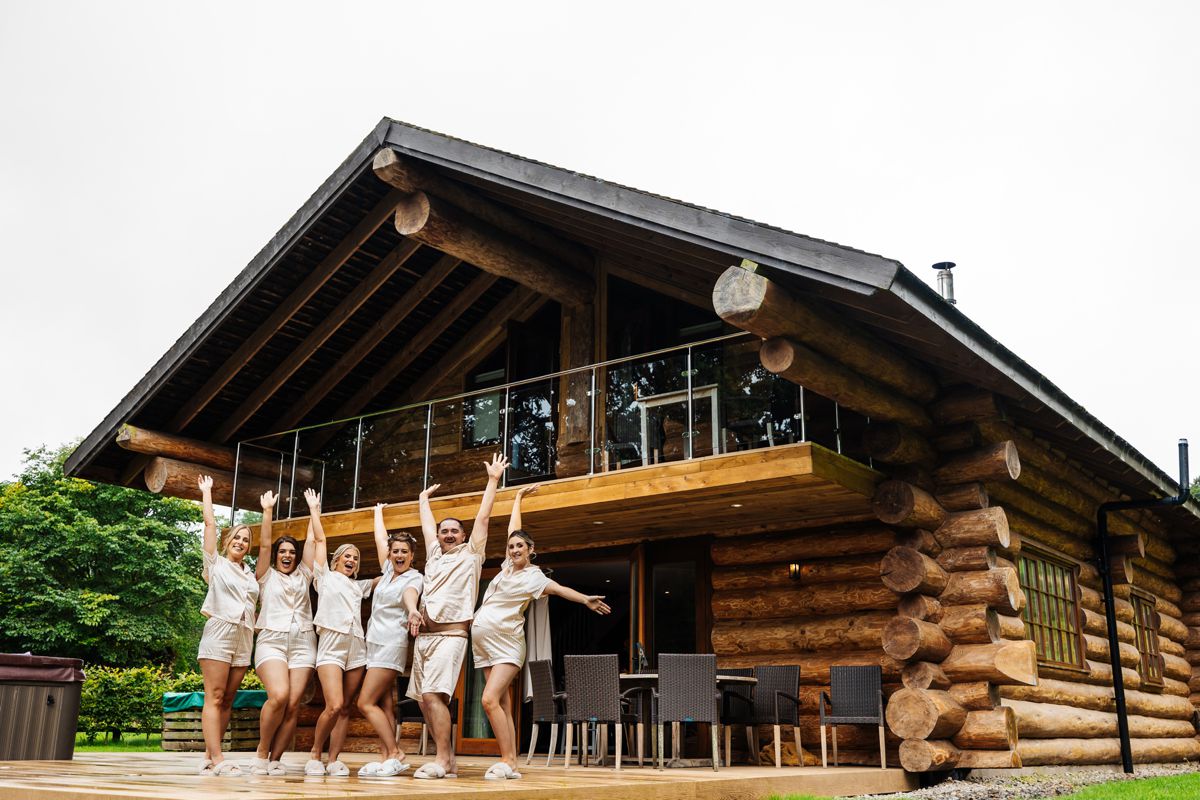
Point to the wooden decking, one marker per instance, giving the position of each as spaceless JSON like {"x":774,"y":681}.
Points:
{"x":172,"y":776}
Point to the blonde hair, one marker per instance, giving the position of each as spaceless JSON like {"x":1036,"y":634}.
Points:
{"x":227,"y":537}
{"x":342,"y":549}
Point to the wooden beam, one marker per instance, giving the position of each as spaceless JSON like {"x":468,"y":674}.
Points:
{"x":410,"y":175}
{"x":208,"y":454}
{"x":286,"y":309}
{"x":369,"y":340}
{"x":178,"y":479}
{"x":520,"y":304}
{"x":656,"y":282}
{"x":415,"y":346}
{"x":318,"y":336}
{"x":751,"y":302}
{"x":439,"y":224}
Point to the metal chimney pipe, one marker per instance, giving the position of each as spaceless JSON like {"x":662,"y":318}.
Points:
{"x":946,"y":281}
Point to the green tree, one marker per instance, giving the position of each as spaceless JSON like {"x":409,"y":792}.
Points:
{"x":103,"y":573}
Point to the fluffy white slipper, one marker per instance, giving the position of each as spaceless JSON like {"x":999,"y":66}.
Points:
{"x":391,"y":768}
{"x":370,"y":769}
{"x":314,"y":767}
{"x":259,"y":766}
{"x":338,"y":770}
{"x":430,"y":772}
{"x":276,"y":768}
{"x":497,"y":772}
{"x":206,"y":768}
{"x":227,"y":769}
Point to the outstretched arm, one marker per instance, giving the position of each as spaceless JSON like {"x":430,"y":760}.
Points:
{"x":320,"y":553}
{"x":381,"y":536}
{"x":210,"y":520}
{"x":415,"y":620}
{"x":428,"y":523}
{"x":310,"y":545}
{"x":479,"y":531}
{"x":514,"y":519}
{"x":593,"y":601}
{"x":267,"y":501}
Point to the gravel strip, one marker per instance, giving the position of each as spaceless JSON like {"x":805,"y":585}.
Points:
{"x":1035,"y":784}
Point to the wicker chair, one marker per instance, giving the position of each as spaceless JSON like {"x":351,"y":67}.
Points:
{"x":544,"y":706}
{"x":594,"y":696}
{"x":857,"y":700}
{"x":687,"y":692}
{"x":409,"y":710}
{"x":737,"y":708}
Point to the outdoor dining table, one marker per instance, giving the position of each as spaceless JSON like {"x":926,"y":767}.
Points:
{"x":631,"y":679}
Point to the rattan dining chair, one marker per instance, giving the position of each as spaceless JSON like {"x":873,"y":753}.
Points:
{"x":857,"y":699}
{"x":776,"y":701}
{"x":737,"y":708}
{"x":545,"y":706}
{"x":687,"y":692}
{"x":594,"y":697}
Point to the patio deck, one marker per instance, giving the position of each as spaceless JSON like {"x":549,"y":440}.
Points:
{"x":92,"y":776}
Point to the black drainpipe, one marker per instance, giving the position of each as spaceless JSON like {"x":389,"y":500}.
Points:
{"x":1110,"y":601}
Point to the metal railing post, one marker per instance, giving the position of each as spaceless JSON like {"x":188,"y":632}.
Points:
{"x":357,"y":464}
{"x":504,"y":437}
{"x":803,"y":418}
{"x":237,"y":463}
{"x":295,"y":458}
{"x":428,"y":440}
{"x":592,"y":427}
{"x":690,"y":418}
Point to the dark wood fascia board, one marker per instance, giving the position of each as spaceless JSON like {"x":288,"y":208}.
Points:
{"x":925,"y":299}
{"x":358,"y":162}
{"x":857,"y":271}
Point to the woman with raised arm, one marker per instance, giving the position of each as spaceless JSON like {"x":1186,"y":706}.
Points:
{"x":286,"y":651}
{"x":393,"y":610}
{"x":341,"y":649}
{"x":228,"y":636}
{"x":498,"y":632}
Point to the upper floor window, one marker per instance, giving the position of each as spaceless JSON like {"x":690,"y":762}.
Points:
{"x":1145,"y":624}
{"x":1052,"y":608}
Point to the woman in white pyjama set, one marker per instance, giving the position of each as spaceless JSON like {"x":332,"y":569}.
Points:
{"x":393,"y":612}
{"x":498,"y":632}
{"x":341,"y":648}
{"x":228,"y":637}
{"x":285,"y":652}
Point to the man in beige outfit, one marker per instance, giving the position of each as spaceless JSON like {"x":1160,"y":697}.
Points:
{"x":453,"y":564}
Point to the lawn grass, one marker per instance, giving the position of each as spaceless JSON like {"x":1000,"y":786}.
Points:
{"x":130,"y":743}
{"x":1173,"y":787}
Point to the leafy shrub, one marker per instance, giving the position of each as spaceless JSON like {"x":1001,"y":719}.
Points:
{"x":119,"y":700}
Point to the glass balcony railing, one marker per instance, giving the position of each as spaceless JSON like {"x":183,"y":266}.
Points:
{"x":696,"y":400}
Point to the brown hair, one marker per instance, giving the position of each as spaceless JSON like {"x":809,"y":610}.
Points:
{"x":402,"y":536}
{"x":525,"y":537}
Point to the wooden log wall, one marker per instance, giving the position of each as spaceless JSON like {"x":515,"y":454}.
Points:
{"x":833,"y":612}
{"x":967,"y":490}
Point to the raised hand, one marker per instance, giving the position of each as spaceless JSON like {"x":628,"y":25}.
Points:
{"x":314,"y":501}
{"x":205,"y":483}
{"x":379,"y":507}
{"x":527,"y":490}
{"x":267,"y":500}
{"x":596,"y":603}
{"x":429,"y":490}
{"x":495,"y":470}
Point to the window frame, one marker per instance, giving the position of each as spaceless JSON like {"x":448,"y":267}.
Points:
{"x":1146,"y":629}
{"x":1040,"y":596}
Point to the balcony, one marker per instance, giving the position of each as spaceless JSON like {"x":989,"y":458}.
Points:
{"x":704,"y":422}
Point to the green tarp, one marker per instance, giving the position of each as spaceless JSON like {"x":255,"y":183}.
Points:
{"x":188,"y":701}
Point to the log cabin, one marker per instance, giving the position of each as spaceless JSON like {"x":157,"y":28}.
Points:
{"x":755,"y":443}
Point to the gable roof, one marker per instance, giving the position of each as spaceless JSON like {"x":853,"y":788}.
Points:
{"x":663,"y":239}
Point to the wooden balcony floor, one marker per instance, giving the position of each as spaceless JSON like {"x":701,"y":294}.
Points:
{"x":172,"y":776}
{"x":790,"y":486}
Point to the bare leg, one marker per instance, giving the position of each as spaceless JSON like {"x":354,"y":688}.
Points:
{"x":231,"y":686}
{"x":376,"y":692}
{"x":216,"y":677}
{"x":330,"y":676}
{"x":498,"y":706}
{"x":436,"y":709}
{"x":298,"y":679}
{"x":350,"y":682}
{"x":275,"y":678}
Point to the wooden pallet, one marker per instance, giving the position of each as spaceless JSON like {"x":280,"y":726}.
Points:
{"x":182,"y":731}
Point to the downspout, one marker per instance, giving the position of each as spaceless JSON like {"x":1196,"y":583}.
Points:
{"x":1110,"y":601}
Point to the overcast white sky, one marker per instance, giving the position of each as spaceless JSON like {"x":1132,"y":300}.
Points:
{"x":148,"y":150}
